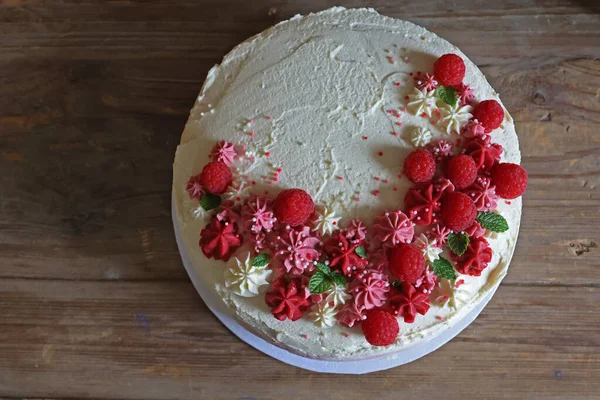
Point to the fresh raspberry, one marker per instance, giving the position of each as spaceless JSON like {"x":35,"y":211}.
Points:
{"x":216,"y":177}
{"x":406,"y":263}
{"x":462,"y":171}
{"x":449,"y":70}
{"x":293,"y":207}
{"x":419,"y":166}
{"x":490,"y":114}
{"x":458,"y":211}
{"x":510,"y":180}
{"x":380,"y":328}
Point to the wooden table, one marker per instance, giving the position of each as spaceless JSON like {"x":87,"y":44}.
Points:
{"x":94,"y":301}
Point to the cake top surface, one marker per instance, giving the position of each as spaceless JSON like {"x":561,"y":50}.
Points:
{"x":333,"y":103}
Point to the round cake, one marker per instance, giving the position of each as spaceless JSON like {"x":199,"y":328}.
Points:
{"x":348,"y":184}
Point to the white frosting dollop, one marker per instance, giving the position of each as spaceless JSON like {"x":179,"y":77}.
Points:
{"x":244,"y":279}
{"x":420,"y":136}
{"x":454,"y":117}
{"x":428,"y":247}
{"x":326,"y":220}
{"x":421,"y":101}
{"x":338,"y":295}
{"x":237,"y":192}
{"x":323,"y":314}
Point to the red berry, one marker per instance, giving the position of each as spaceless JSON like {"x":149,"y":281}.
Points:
{"x":458,"y":211}
{"x":449,"y":70}
{"x":293,"y":207}
{"x":406,"y":263}
{"x":215,"y":177}
{"x":510,"y":180}
{"x":490,"y":114}
{"x":462,"y":171}
{"x":419,"y":166}
{"x":380,"y":328}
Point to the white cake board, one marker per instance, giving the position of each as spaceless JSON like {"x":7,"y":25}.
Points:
{"x":222,"y":311}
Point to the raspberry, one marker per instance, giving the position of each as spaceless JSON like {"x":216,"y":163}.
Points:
{"x":216,"y":177}
{"x":462,"y":171}
{"x":380,"y":328}
{"x":490,"y":114}
{"x":419,"y":166}
{"x":510,"y":180}
{"x":458,"y":211}
{"x":406,"y":263}
{"x":293,"y":207}
{"x":449,"y":70}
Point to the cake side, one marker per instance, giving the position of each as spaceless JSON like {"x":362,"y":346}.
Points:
{"x":312,"y":96}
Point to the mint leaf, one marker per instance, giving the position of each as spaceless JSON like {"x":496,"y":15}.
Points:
{"x":260,"y":260}
{"x":319,"y":283}
{"x":458,"y":243}
{"x":492,"y":221}
{"x":448,"y":95}
{"x":210,"y":201}
{"x":339,"y":279}
{"x":443,"y":269}
{"x":324,"y":268}
{"x":360,"y":250}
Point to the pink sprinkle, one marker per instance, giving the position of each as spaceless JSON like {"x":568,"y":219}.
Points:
{"x":395,"y":189}
{"x":433,"y":122}
{"x":269,"y":118}
{"x":267,"y":153}
{"x":390,"y":111}
{"x":385,"y":181}
{"x":397,"y":83}
{"x":459,"y":283}
{"x":357,"y":198}
{"x":405,"y":98}
{"x":404,"y":108}
{"x":439,"y":317}
{"x":254,"y":182}
{"x":380,"y":153}
{"x":390,"y":59}
{"x":411,"y":74}
{"x":437,"y":111}
{"x":377,"y":178}
{"x":346,"y":334}
{"x":279,"y":170}
{"x":396,"y":133}
{"x":250,"y":134}
{"x":341,"y":178}
{"x":375,"y":192}
{"x":251,"y":121}
{"x":508,"y":202}
{"x":424,"y":115}
{"x":305,"y":336}
{"x":334,"y":223}
{"x":398,"y":124}
{"x":365,"y":137}
{"x":275,"y":179}
{"x":418,"y":72}
{"x":202,"y":104}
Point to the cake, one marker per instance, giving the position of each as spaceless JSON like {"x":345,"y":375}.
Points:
{"x":348,"y":184}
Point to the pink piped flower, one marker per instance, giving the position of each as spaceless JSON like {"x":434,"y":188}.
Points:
{"x":257,"y":214}
{"x":483,"y":194}
{"x":440,"y":149}
{"x":427,"y":82}
{"x":440,"y":234}
{"x":426,"y":283}
{"x":472,"y":129}
{"x":369,"y":289}
{"x":475,"y":230}
{"x":465,"y":94}
{"x":356,"y":231}
{"x":296,"y":249}
{"x":350,"y":314}
{"x":224,"y":152}
{"x":194,"y":187}
{"x":393,"y":228}
{"x":227,"y":213}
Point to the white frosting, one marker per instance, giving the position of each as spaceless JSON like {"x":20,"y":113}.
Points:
{"x":337,"y":296}
{"x":244,"y":279}
{"x":237,"y":192}
{"x":323,"y":315}
{"x":311,"y":90}
{"x":326,"y":221}
{"x":428,"y":247}
{"x":454,"y":117}
{"x":420,"y":136}
{"x":422,"y":101}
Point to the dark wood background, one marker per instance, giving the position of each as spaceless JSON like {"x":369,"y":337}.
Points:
{"x":94,"y":300}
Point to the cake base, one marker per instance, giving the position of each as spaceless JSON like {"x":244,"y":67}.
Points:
{"x":227,"y":318}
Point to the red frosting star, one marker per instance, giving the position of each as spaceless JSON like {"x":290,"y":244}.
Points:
{"x":483,"y":152}
{"x":219,"y":240}
{"x":475,"y":259}
{"x":421,"y":204}
{"x":344,"y":255}
{"x":288,"y":300}
{"x":408,"y":302}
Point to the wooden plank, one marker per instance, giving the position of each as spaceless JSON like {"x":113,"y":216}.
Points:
{"x":71,"y":339}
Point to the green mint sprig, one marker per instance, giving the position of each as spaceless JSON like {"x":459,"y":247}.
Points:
{"x":447,"y":94}
{"x":322,"y":280}
{"x":492,"y":222}
{"x":458,"y":243}
{"x":210,"y":201}
{"x":443,"y":269}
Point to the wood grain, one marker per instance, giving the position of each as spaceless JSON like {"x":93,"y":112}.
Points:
{"x":94,"y":301}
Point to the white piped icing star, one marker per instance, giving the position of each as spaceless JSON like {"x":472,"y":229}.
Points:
{"x":244,"y":279}
{"x":337,"y":296}
{"x":237,"y":192}
{"x":323,"y":314}
{"x":326,"y":221}
{"x":422,"y":101}
{"x":428,"y":246}
{"x":420,"y":136}
{"x":200,"y":213}
{"x":455,"y":117}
